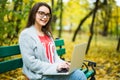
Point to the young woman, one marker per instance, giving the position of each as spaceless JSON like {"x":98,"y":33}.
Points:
{"x":38,"y":48}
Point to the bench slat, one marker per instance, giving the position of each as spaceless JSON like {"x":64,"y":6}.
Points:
{"x":61,"y":51}
{"x":59,"y":42}
{"x":10,"y":65}
{"x":6,"y":51}
{"x":85,"y":70}
{"x":89,"y":73}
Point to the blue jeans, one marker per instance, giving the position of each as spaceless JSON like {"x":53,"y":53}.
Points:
{"x":76,"y":75}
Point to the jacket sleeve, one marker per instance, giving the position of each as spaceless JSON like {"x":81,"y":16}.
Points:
{"x":29,"y":60}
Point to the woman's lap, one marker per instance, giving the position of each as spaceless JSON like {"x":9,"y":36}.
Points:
{"x":76,"y":75}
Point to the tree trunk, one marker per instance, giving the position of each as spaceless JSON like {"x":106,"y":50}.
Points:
{"x":108,"y":12}
{"x":118,"y":46}
{"x":79,"y":26}
{"x":105,"y":30}
{"x":92,"y":25}
{"x":117,"y":22}
{"x":83,"y":20}
{"x":52,"y":3}
{"x":60,"y":24}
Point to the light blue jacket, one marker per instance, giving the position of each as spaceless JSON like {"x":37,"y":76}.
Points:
{"x":33,"y":53}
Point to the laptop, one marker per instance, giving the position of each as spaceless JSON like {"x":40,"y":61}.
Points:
{"x":76,"y":60}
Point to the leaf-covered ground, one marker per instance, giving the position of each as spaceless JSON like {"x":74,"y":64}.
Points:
{"x":102,"y":51}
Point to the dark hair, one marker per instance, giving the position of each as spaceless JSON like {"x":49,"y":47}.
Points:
{"x":31,"y":18}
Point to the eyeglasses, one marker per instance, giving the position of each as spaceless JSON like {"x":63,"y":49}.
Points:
{"x":43,"y":14}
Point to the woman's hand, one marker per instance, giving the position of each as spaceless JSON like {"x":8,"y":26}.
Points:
{"x":64,"y":65}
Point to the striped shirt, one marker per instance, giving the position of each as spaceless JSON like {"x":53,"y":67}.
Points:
{"x":49,"y":47}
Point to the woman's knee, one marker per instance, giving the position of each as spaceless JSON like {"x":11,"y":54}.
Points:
{"x":78,"y":75}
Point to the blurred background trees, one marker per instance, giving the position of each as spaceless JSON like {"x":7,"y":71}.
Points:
{"x":68,"y":15}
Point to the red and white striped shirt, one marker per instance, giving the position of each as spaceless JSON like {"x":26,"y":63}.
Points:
{"x":49,"y":47}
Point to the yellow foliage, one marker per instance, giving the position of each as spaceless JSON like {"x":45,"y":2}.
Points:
{"x":8,"y":16}
{"x":26,"y":1}
{"x":42,"y":0}
{"x":5,"y":18}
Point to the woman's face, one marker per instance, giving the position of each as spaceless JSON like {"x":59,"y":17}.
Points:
{"x":42,"y":16}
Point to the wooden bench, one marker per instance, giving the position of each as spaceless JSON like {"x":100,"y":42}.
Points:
{"x":12,"y":64}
